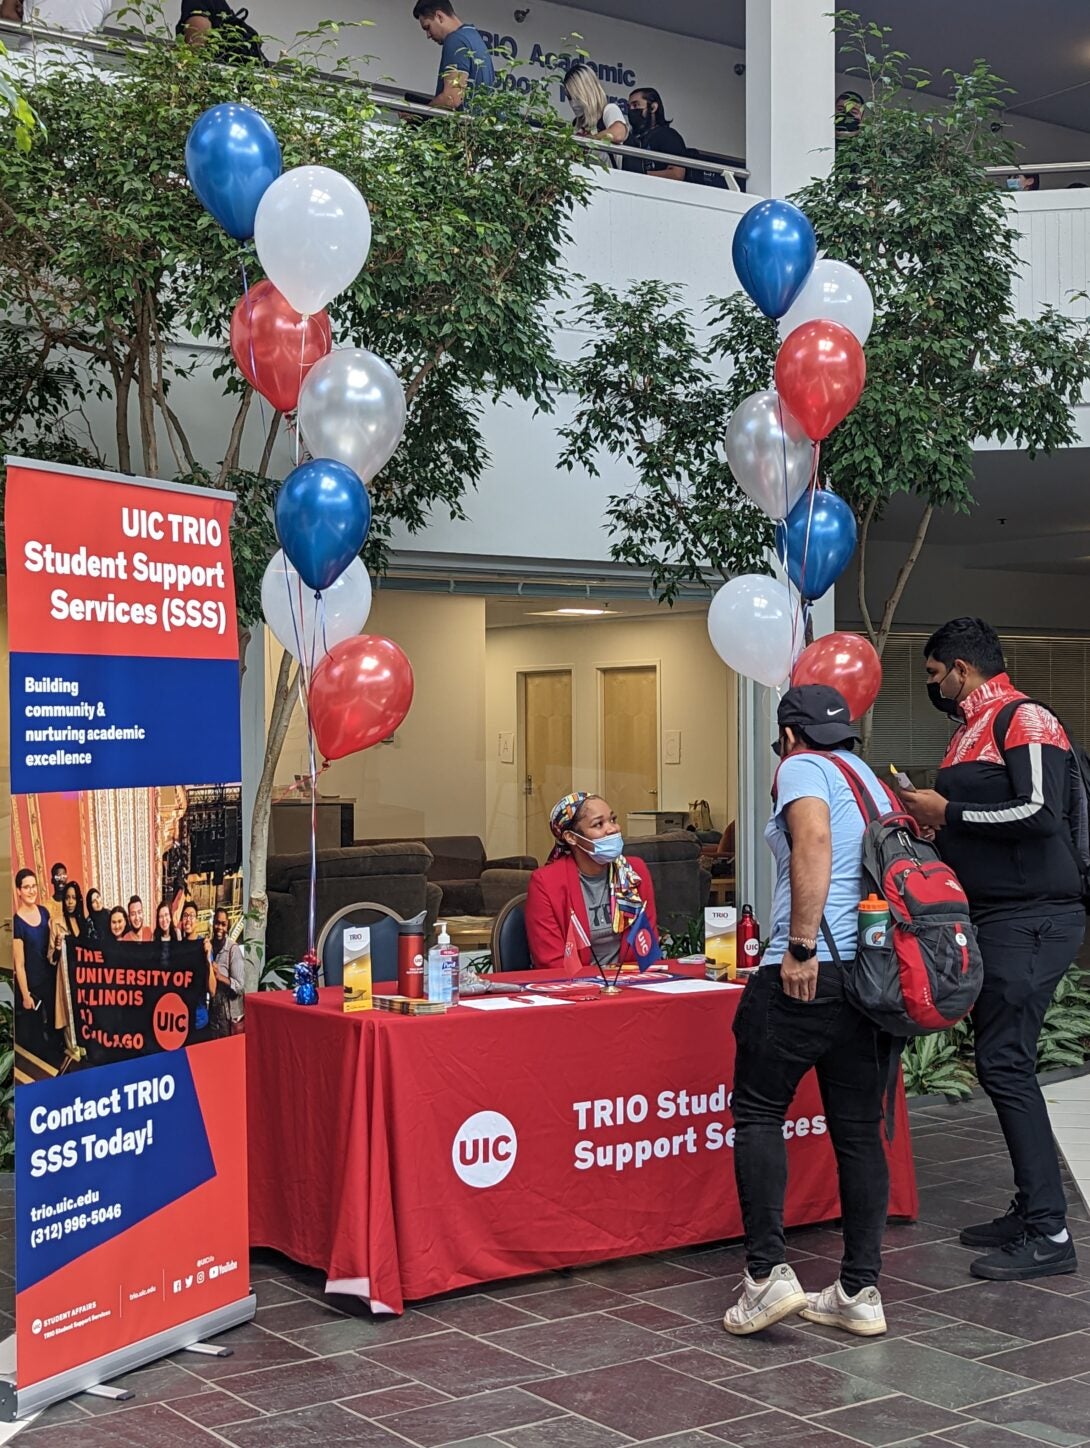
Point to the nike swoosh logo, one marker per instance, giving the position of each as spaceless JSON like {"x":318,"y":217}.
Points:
{"x":832,"y":713}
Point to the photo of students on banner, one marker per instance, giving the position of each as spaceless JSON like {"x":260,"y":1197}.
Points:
{"x":109,"y":882}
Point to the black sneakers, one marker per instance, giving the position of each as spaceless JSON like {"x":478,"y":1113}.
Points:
{"x":996,"y":1233}
{"x":1028,"y":1255}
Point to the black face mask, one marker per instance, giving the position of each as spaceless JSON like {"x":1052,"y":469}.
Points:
{"x":641,"y":121}
{"x":939,"y":699}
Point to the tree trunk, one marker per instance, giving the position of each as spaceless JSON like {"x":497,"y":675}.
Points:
{"x":284,"y":696}
{"x":145,"y":393}
{"x":879,"y":636}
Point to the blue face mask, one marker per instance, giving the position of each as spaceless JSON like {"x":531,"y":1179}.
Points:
{"x":606,"y":848}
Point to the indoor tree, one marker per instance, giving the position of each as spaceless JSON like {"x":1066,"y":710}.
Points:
{"x":109,"y":269}
{"x":907,"y":203}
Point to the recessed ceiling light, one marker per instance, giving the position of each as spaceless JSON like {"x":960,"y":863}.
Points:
{"x":569,"y":613}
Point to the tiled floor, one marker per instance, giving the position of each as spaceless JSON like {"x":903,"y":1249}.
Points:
{"x":1069,"y":1108}
{"x":632,"y":1352}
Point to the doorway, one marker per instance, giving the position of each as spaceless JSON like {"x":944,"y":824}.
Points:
{"x":629,"y":701}
{"x":546,"y":718}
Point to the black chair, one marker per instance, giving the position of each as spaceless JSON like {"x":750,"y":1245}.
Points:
{"x":383,"y":923}
{"x":510,"y":947}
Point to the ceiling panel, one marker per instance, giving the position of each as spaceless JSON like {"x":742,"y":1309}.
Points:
{"x":1043,"y":53}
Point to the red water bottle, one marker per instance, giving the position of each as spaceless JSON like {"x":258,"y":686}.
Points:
{"x":410,"y":958}
{"x":748,"y":937}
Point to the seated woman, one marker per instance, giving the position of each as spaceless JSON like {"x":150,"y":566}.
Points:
{"x":588,"y":879}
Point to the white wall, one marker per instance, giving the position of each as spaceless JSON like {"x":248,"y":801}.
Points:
{"x":698,"y":697}
{"x":431,"y":779}
{"x":704,"y":97}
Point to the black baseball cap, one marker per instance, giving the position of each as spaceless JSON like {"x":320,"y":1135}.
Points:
{"x":820,"y":712}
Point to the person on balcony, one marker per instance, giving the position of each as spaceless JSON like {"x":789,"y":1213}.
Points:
{"x":595,"y":114}
{"x":76,"y":17}
{"x":465,"y":62}
{"x":588,"y":895}
{"x":236,"y":38}
{"x":651,"y":131}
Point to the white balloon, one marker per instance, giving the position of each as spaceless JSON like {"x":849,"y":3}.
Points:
{"x":352,"y":408}
{"x":751,"y":624}
{"x":308,"y":628}
{"x":836,"y":292}
{"x":312,"y":233}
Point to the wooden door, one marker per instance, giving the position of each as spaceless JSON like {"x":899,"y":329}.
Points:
{"x":630,"y":739}
{"x":546,"y":753}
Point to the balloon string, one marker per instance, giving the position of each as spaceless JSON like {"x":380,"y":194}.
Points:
{"x":305,"y":656}
{"x":250,"y":340}
{"x":783,"y":449}
{"x":302,"y":363}
{"x":799,"y":607}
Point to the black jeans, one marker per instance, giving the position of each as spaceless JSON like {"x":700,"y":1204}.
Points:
{"x":1025,"y":958}
{"x":778,"y":1041}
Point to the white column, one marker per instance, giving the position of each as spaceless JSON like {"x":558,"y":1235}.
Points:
{"x":790,"y":93}
{"x":790,"y":98}
{"x":757,"y":731}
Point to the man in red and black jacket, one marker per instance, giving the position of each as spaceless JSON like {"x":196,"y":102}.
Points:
{"x":1005,"y":807}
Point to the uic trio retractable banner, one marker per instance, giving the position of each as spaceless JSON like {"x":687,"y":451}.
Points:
{"x":131,"y":1201}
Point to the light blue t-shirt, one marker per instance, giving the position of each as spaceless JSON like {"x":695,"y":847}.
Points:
{"x":809,"y":776}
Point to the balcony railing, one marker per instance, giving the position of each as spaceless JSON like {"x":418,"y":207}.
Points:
{"x":389,"y":99}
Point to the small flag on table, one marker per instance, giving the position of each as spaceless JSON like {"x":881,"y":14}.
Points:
{"x":576,"y":941}
{"x":643,"y":941}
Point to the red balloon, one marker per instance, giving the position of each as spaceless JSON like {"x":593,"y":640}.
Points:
{"x":274,"y":346}
{"x":846,"y":662}
{"x":359,"y":694}
{"x":820,"y":371}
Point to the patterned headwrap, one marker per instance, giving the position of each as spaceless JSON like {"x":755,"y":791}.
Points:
{"x":624,"y":884}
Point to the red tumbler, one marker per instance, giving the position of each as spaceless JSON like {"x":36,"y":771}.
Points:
{"x":410,"y":959}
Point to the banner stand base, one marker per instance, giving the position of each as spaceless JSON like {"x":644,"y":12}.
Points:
{"x":208,"y":1349}
{"x":114,"y":1395}
{"x":19,"y":1403}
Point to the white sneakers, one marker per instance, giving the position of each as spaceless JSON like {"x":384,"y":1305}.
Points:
{"x":762,"y":1303}
{"x":780,"y":1295}
{"x":832,"y":1307}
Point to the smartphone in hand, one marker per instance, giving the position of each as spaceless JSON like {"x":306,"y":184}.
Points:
{"x":901,"y":780}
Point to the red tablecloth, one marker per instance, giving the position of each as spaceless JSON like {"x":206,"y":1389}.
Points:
{"x":407,"y":1156}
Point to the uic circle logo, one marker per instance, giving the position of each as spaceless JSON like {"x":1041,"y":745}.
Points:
{"x":484,"y":1149}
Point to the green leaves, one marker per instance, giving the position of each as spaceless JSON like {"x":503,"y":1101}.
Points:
{"x":932,"y":1066}
{"x":647,"y":397}
{"x":907,"y":202}
{"x":109,"y":268}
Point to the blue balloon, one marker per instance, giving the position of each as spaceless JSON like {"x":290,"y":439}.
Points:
{"x":232,"y":158}
{"x":815,"y":566}
{"x":322,"y":517}
{"x":773,"y":251}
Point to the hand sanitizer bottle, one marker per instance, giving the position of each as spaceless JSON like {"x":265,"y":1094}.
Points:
{"x":443,"y":969}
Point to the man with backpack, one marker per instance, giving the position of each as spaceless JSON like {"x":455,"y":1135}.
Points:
{"x":1009,"y":806}
{"x":795,"y":1015}
{"x":236,"y":41}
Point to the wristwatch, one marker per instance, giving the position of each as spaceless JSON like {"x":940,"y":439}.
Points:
{"x":801,"y":953}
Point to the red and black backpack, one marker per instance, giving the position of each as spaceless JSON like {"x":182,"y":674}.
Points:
{"x":927,"y":974}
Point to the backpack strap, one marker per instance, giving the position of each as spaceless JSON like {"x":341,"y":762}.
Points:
{"x":867,"y":808}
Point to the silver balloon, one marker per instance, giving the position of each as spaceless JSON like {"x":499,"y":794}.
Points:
{"x":768,"y":452}
{"x":352,"y":408}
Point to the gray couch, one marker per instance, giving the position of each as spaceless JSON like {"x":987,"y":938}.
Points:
{"x":394,"y":875}
{"x":471,"y":883}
